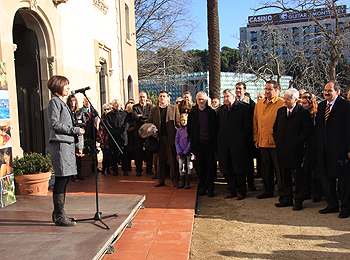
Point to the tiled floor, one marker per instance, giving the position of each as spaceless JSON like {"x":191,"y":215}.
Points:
{"x":162,"y":230}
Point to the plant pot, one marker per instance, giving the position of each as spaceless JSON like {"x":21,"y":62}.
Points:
{"x":86,"y":164}
{"x":33,"y":184}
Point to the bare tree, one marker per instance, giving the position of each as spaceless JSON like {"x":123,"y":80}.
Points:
{"x":312,"y":55}
{"x":161,"y":25}
{"x":334,"y":35}
{"x":214,"y":49}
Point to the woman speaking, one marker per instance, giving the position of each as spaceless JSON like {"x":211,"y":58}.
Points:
{"x":63,"y":136}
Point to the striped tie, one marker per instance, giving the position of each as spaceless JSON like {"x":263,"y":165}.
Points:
{"x":326,"y":113}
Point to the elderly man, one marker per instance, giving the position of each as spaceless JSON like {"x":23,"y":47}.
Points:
{"x":293,"y":126}
{"x":234,"y":130}
{"x":140,"y":114}
{"x":260,"y":96}
{"x":201,"y":130}
{"x":241,"y":90}
{"x":166,"y":118}
{"x":118,"y":123}
{"x":264,"y":118}
{"x":333,"y":149}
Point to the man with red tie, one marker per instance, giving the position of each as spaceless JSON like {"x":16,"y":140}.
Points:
{"x":333,"y":149}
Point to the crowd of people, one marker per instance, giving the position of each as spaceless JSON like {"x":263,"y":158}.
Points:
{"x":290,"y":140}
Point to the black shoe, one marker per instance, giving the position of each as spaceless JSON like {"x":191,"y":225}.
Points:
{"x":284,"y":203}
{"x":138,"y":174}
{"x":73,"y":178}
{"x":159,"y":184}
{"x":125,"y":174}
{"x":265,"y":195}
{"x":115,"y":174}
{"x":79,"y":177}
{"x":252,"y":187}
{"x":154,"y":177}
{"x":149,"y":173}
{"x":329,"y":210}
{"x":211,"y":194}
{"x":297,"y":206}
{"x":344,"y":214}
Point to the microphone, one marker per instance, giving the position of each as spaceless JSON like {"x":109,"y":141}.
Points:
{"x":81,"y":90}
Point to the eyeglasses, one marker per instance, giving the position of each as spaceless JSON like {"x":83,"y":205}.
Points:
{"x":177,"y":102}
{"x":107,"y":109}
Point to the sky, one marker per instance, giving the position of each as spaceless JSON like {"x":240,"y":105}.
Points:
{"x":233,"y":14}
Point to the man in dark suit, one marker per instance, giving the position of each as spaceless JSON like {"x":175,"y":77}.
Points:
{"x":140,"y":114}
{"x":201,"y":130}
{"x":118,"y":122}
{"x":333,"y":149}
{"x":242,"y":96}
{"x":293,"y":126}
{"x":234,"y":126}
{"x":166,"y":118}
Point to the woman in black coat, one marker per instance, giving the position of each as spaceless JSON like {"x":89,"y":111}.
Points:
{"x":80,"y":121}
{"x":313,"y":185}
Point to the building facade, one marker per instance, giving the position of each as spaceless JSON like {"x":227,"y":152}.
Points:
{"x":91,"y":42}
{"x":281,"y":33}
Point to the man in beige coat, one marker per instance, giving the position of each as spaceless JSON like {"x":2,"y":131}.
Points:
{"x":264,"y":118}
{"x":166,"y":118}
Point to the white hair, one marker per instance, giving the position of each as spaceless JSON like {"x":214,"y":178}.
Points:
{"x":202,"y":93}
{"x":231,"y":91}
{"x":114,"y":101}
{"x":292,"y":92}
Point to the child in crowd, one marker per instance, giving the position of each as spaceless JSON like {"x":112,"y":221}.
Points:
{"x":182,"y":143}
{"x":102,"y":138}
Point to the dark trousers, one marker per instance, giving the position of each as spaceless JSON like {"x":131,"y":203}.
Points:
{"x":142,"y":155}
{"x":166,"y":151}
{"x":250,"y":174}
{"x":205,"y":161}
{"x":117,"y":157}
{"x":268,"y":168}
{"x":106,"y":159}
{"x":330,"y":191}
{"x":299,"y":178}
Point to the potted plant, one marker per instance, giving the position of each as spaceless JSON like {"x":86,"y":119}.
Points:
{"x":32,"y":173}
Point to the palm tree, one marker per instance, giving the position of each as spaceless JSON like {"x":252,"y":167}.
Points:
{"x":214,"y":49}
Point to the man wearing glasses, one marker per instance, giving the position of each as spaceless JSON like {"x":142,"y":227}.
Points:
{"x":333,"y":149}
{"x":264,"y":118}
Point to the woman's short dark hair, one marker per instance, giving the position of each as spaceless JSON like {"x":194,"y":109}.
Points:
{"x":56,"y":84}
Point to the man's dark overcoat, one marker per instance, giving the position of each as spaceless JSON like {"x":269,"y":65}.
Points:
{"x":333,"y":140}
{"x":118,"y":123}
{"x":140,"y":120}
{"x":290,"y":134}
{"x":233,"y":133}
{"x":193,"y":128}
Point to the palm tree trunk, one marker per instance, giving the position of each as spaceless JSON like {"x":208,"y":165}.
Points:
{"x":214,"y":49}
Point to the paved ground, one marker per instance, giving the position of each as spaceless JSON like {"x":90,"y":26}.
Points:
{"x":162,"y":228}
{"x":256,"y":229}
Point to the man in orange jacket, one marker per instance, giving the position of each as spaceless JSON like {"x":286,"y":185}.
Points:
{"x":264,"y":118}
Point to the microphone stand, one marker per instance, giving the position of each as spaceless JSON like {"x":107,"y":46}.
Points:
{"x":98,"y":214}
